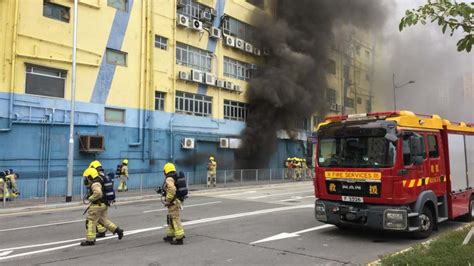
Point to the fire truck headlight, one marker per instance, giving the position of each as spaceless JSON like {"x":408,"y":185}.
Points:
{"x":320,"y":212}
{"x":395,"y":219}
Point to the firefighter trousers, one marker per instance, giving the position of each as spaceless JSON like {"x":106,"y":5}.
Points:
{"x":175,"y":228}
{"x":97,"y":214}
{"x":122,"y":184}
{"x":211,"y":178}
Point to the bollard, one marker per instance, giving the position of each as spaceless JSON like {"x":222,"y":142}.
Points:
{"x":225,"y":178}
{"x":270,"y":175}
{"x":187,"y":179}
{"x":241,"y":176}
{"x":141,"y":183}
{"x":45,"y":190}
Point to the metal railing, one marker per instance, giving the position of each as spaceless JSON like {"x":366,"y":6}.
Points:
{"x":40,"y":191}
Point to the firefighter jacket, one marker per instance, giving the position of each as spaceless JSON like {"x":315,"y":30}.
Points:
{"x":124,"y":171}
{"x":170,"y":189}
{"x":96,"y":193}
{"x":212,"y":167}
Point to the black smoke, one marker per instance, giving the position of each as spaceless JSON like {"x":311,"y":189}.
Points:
{"x":290,"y":85}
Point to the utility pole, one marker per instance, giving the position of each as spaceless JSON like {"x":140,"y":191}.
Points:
{"x":70,"y":157}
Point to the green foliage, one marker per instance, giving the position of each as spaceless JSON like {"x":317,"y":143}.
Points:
{"x":450,"y":16}
{"x":445,"y":250}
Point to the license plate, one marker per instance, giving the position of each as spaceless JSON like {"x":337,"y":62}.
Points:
{"x":352,"y":199}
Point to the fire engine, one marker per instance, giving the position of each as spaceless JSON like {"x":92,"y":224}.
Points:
{"x":394,"y":171}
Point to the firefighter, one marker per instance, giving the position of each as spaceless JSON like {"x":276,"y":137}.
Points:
{"x":306,"y":171}
{"x":291,"y":168}
{"x":123,"y":176}
{"x":97,"y":210}
{"x":3,"y":187}
{"x":10,"y":179}
{"x":287,"y":167}
{"x":175,"y":230}
{"x":211,"y":172}
{"x":101,"y":230}
{"x":298,"y":169}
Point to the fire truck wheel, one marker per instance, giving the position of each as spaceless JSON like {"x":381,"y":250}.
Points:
{"x":469,"y":217}
{"x":426,"y":224}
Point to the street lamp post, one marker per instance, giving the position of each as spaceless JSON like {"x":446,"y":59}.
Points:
{"x":397,"y":87}
{"x":70,"y":157}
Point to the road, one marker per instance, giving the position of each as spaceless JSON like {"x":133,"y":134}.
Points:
{"x":271,"y":225}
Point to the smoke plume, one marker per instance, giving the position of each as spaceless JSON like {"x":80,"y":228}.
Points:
{"x":291,"y":84}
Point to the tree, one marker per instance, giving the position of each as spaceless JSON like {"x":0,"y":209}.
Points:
{"x":450,"y":16}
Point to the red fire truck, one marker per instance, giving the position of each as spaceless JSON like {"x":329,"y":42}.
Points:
{"x":394,"y":171}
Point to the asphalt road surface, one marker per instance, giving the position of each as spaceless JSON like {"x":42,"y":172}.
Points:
{"x":271,"y":225}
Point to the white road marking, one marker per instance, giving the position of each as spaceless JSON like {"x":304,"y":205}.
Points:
{"x":40,"y":225}
{"x":200,"y":221}
{"x":297,"y":198}
{"x":5,"y":253}
{"x":287,"y":193}
{"x":289,"y":235}
{"x":235,"y":194}
{"x":186,"y":206}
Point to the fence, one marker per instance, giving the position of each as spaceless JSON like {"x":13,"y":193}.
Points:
{"x":54,"y":189}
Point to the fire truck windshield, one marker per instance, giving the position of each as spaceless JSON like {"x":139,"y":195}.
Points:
{"x":355,"y":147}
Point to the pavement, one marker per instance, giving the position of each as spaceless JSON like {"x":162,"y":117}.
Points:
{"x":256,"y":225}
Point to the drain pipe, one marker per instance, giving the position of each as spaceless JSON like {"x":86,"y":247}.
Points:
{"x":142,"y":76}
{"x":12,"y":74}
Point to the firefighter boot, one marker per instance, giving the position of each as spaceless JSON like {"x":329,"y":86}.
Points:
{"x":100,"y":235}
{"x":119,"y":232}
{"x":168,"y":239}
{"x":177,"y":241}
{"x":87,"y":243}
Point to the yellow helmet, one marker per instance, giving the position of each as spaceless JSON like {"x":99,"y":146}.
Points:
{"x":90,"y":173}
{"x":125,"y":161}
{"x":169,"y":167}
{"x":95,"y":164}
{"x":211,"y":158}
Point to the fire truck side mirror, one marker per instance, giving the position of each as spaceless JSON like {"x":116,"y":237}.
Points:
{"x":391,"y":137}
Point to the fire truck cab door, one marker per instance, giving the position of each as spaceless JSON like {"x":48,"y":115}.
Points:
{"x":414,"y":158}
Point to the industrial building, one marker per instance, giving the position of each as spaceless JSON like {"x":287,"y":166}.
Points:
{"x":157,"y":81}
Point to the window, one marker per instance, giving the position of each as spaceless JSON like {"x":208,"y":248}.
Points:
{"x":433,"y":146}
{"x":116,"y":57}
{"x":159,"y":101}
{"x":193,"y":57}
{"x":237,"y":69}
{"x":359,"y":100}
{"x":331,"y":67}
{"x":236,"y":28}
{"x":331,"y":96}
{"x":192,"y":9}
{"x":257,"y":3}
{"x":45,"y":81}
{"x":113,"y":115}
{"x":193,"y":104}
{"x":367,"y":54}
{"x":357,"y":49}
{"x":161,"y":42}
{"x":55,"y":11}
{"x":349,"y":102}
{"x":416,"y":142}
{"x":119,"y":4}
{"x":235,"y":110}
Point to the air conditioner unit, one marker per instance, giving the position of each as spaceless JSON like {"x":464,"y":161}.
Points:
{"x":228,"y":85}
{"x":248,"y":47}
{"x":183,"y":21}
{"x":220,"y":84}
{"x":216,"y":33}
{"x":210,"y":79}
{"x":206,"y":16}
{"x":183,"y":75}
{"x":180,"y":4}
{"x":197,"y":25}
{"x":223,"y":143}
{"x":229,"y":40}
{"x":197,"y":76}
{"x":237,"y":88}
{"x":187,"y":143}
{"x":257,"y":51}
{"x":239,"y":43}
{"x":91,"y":143}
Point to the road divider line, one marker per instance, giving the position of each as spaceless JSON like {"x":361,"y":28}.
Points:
{"x":290,"y":235}
{"x":40,"y":225}
{"x":199,"y":221}
{"x":287,"y":193}
{"x":186,"y":206}
{"x":297,"y":198}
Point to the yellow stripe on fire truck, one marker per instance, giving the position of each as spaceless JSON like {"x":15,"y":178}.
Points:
{"x":418,"y":182}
